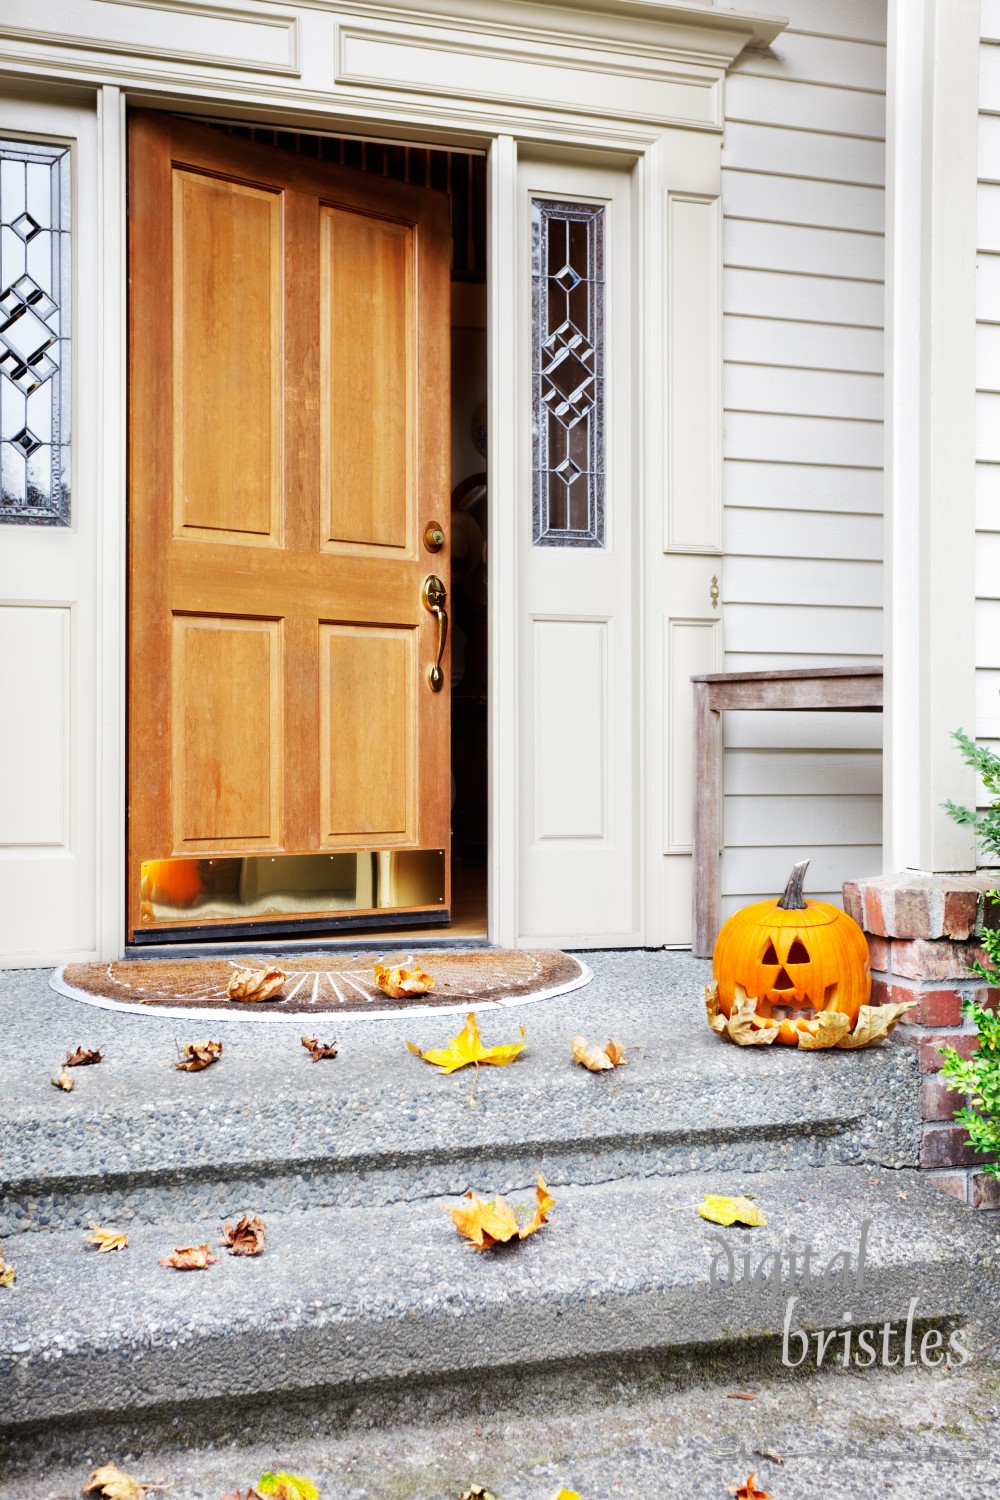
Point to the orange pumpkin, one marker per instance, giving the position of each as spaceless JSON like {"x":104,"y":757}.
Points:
{"x":796,"y":958}
{"x":172,"y":882}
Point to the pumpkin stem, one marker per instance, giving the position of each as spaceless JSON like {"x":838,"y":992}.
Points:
{"x":793,"y":899}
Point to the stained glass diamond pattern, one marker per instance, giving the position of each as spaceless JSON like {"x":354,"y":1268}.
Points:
{"x":25,"y":227}
{"x":26,"y":441}
{"x":567,"y":278}
{"x":567,"y":368}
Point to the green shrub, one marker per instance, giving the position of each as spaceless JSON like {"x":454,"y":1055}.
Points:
{"x":978,"y":1077}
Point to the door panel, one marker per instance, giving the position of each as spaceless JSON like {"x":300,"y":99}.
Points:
{"x":289,"y":442}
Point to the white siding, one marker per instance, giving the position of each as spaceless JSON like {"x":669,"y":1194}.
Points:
{"x":987,"y":726}
{"x":803,"y":196}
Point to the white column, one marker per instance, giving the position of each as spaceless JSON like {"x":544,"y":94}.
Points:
{"x":930,"y":427}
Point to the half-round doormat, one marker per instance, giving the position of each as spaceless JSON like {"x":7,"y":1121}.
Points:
{"x":330,"y":985}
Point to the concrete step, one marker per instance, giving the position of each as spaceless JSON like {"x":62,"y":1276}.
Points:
{"x":138,"y":1142}
{"x":364,"y":1303}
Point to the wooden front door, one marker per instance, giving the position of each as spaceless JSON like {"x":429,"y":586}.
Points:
{"x":289,"y":447}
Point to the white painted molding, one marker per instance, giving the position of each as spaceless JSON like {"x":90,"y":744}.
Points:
{"x":930,"y":428}
{"x":693,"y":458}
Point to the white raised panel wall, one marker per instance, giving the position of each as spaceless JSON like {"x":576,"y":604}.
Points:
{"x":48,"y":632}
{"x":987,"y":727}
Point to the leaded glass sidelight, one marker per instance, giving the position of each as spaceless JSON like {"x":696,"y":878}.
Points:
{"x":567,"y":255}
{"x":34,"y":333}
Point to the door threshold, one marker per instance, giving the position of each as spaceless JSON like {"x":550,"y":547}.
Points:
{"x":382,"y":943}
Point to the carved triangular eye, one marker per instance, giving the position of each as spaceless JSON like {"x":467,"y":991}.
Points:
{"x":770,"y":957}
{"x":798,"y":953}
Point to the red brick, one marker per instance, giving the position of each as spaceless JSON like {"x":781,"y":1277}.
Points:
{"x":946,"y":1146}
{"x":937,"y":1101}
{"x":852,"y":901}
{"x":988,"y":999}
{"x":933,"y":1008}
{"x":931,"y":1060}
{"x":874,"y":921}
{"x":878,"y":952}
{"x":985,"y":1191}
{"x":925,"y":960}
{"x":912,"y":913}
{"x":961,"y":914}
{"x":955,"y":1183}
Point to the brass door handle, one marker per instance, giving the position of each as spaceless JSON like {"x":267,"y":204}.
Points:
{"x":433,"y":596}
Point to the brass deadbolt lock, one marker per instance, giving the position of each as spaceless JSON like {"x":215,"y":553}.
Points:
{"x":433,"y":537}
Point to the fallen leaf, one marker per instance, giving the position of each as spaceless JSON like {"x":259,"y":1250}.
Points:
{"x":597,"y":1059}
{"x":829,"y":1027}
{"x":721,"y":1210}
{"x":477,"y":1492}
{"x":319,"y":1049}
{"x":566,"y":1495}
{"x":255,"y":984}
{"x":745,"y":1027}
{"x":106,"y":1239}
{"x":875,"y":1022}
{"x":495,"y":1222}
{"x":190,"y":1258}
{"x":716,"y":1019}
{"x":6,"y":1271}
{"x":286,"y":1487}
{"x":111,"y":1484}
{"x":397,"y":983}
{"x":749,"y":1491}
{"x":769,"y":1454}
{"x":81,"y":1058}
{"x":741,"y":1396}
{"x":198,"y":1055}
{"x":246,"y":1237}
{"x":64,"y":1082}
{"x":467,"y":1048}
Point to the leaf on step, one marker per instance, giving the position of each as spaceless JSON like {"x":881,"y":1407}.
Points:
{"x":495,"y":1223}
{"x":741,"y":1396}
{"x":109,"y":1483}
{"x":82,"y":1058}
{"x":477,"y":1492}
{"x":64,"y":1082}
{"x":769,"y":1454}
{"x":286,"y":1487}
{"x":106,"y":1239}
{"x":745,"y":1027}
{"x":246,"y":1237}
{"x":875,"y":1022}
{"x":721,"y":1210}
{"x":198,"y":1055}
{"x":716,"y":1019}
{"x":397,"y":983}
{"x":467,"y":1048}
{"x":317,"y":1049}
{"x":190,"y":1258}
{"x":255,"y":984}
{"x":6,"y":1271}
{"x":749,"y":1491}
{"x":566,"y":1495}
{"x":828,"y":1029}
{"x":597,"y":1059}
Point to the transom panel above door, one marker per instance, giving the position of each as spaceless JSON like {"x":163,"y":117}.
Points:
{"x":289,"y":444}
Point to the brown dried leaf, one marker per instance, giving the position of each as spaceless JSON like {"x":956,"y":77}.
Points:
{"x":745,"y":1027}
{"x":190,"y":1258}
{"x":319,"y":1049}
{"x":111,"y":1484}
{"x":495,"y":1222}
{"x":64,"y":1082}
{"x":106,"y":1239}
{"x":749,"y":1491}
{"x":255,"y":984}
{"x":398,"y":983}
{"x":830,"y":1027}
{"x":741,"y":1396}
{"x":82,"y":1058}
{"x":477,"y":1492}
{"x":6,"y":1271}
{"x":198,"y":1055}
{"x":716,"y":1019}
{"x":246,"y":1237}
{"x":594,"y":1058}
{"x":875,"y":1022}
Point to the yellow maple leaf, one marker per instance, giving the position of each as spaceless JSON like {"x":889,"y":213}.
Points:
{"x":467,"y":1048}
{"x":106,"y":1239}
{"x":495,"y":1223}
{"x":286,"y":1487}
{"x":721,"y":1210}
{"x":6,"y":1271}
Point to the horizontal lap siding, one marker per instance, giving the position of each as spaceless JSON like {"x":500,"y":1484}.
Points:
{"x":803,"y":302}
{"x":987,"y":726}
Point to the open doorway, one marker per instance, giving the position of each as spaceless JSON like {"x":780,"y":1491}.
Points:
{"x":205,"y":897}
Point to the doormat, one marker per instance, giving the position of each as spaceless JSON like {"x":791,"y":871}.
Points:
{"x":471,"y":979}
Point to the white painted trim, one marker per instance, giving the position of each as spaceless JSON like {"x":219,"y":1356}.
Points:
{"x":930,"y":428}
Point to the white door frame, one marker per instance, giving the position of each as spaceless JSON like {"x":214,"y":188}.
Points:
{"x":610,"y":83}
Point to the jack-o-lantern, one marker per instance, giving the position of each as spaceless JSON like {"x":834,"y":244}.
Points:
{"x":796,"y":958}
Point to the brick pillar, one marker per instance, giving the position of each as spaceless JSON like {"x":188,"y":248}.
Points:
{"x":922,"y":934}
